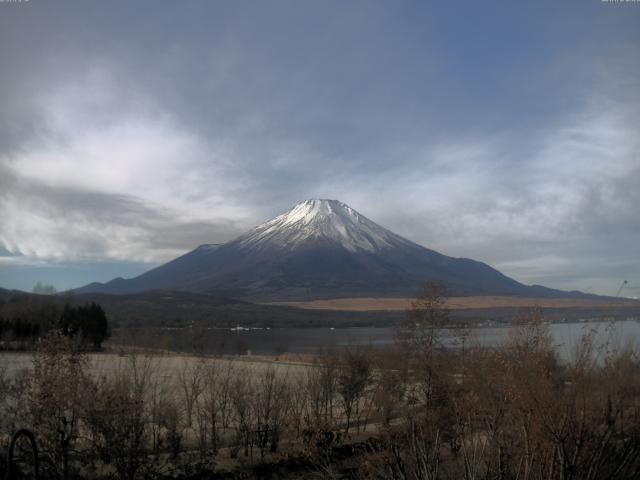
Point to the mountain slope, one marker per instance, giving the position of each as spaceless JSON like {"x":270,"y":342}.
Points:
{"x":320,"y":249}
{"x":8,"y":294}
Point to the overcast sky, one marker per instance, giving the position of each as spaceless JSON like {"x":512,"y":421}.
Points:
{"x":508,"y":132}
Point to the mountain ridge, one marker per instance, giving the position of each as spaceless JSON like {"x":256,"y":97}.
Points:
{"x":321,"y":248}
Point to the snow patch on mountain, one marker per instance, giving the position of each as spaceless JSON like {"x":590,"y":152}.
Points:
{"x":328,"y":221}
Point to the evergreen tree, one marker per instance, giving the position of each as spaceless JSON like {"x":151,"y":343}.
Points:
{"x":89,"y":321}
{"x":95,"y":328}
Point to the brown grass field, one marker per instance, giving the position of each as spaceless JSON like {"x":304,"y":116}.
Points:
{"x":457,"y":303}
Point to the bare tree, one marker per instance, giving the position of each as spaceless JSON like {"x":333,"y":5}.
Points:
{"x":298,"y":403}
{"x":353,"y":378}
{"x":271,"y":405}
{"x":59,"y":377}
{"x":215,"y":402}
{"x":321,"y":387}
{"x":241,"y":394}
{"x":390,"y":384}
{"x":190,"y":382}
{"x":420,"y":335}
{"x":117,"y":419}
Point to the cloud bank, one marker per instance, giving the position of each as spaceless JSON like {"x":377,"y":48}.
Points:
{"x":131,"y":134}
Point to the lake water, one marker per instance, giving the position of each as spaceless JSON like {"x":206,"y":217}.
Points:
{"x":566,"y":337}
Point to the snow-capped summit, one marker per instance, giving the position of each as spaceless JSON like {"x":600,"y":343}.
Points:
{"x":321,"y":220}
{"x":320,"y":248}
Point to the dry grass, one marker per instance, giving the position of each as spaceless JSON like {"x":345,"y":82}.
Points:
{"x":171,"y":364}
{"x":457,"y":303}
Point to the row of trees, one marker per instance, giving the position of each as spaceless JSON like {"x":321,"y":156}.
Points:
{"x":418,"y":412}
{"x":146,"y":415}
{"x":23,"y":320}
{"x":516,"y":411}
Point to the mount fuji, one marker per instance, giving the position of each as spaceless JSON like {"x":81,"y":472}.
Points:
{"x":321,"y":249}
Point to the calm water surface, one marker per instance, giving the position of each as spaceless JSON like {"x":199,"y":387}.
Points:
{"x":566,"y":336}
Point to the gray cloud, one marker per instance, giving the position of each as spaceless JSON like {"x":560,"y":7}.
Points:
{"x":68,"y":224}
{"x":134,"y":133}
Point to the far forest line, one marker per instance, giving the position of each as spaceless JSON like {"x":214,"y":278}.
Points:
{"x":25,"y":319}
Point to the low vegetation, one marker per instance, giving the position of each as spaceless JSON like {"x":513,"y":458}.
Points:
{"x":417,"y":412}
